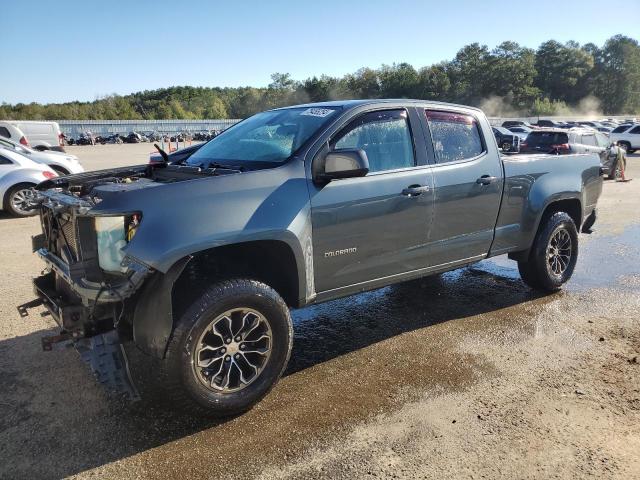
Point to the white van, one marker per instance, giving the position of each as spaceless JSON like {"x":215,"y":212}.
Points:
{"x":39,"y":135}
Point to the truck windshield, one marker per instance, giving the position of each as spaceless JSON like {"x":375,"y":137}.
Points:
{"x":268,"y":138}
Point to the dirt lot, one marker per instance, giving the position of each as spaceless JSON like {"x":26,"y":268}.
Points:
{"x":470,"y":375}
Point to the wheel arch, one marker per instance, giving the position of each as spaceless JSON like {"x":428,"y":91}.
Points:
{"x":570,"y":205}
{"x":59,"y":169}
{"x":166,"y":296}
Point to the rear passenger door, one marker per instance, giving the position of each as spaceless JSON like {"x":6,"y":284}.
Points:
{"x":468,"y":180}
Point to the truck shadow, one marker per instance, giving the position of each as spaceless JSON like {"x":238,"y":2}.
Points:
{"x":55,"y":421}
{"x":326,"y":331}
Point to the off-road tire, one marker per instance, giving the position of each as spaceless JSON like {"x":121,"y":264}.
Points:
{"x":106,"y":357}
{"x":535,"y":271}
{"x":177,"y":378}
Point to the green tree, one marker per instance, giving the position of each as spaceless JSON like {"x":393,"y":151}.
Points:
{"x":618,"y":70}
{"x":509,"y":78}
{"x":563,"y":70}
{"x":433,"y":83}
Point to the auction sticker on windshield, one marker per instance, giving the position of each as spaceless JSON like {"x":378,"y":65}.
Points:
{"x":317,"y":112}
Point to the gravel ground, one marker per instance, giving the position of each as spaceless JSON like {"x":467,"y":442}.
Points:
{"x":468,"y":375}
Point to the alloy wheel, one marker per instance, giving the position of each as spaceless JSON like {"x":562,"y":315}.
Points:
{"x":559,"y":251}
{"x":233,"y":350}
{"x":20,"y":200}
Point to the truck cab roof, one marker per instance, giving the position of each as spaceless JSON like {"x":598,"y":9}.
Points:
{"x":348,"y":104}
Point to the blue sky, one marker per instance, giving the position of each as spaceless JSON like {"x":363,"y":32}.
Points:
{"x":78,"y":50}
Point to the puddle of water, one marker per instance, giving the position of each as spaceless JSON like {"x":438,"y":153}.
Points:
{"x":604,"y":261}
{"x":491,"y":291}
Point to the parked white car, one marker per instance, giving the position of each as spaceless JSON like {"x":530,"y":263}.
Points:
{"x":18,"y":176}
{"x":629,"y":138}
{"x":36,"y":134}
{"x":62,"y":163}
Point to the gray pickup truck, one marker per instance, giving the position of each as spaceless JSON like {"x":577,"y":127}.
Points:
{"x":193,"y":265}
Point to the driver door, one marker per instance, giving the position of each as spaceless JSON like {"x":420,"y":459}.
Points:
{"x":370,"y":227}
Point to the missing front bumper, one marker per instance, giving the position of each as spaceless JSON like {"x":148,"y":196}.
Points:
{"x":96,"y":292}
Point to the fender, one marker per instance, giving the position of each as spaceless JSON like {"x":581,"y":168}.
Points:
{"x":153,"y":315}
{"x":153,"y":319}
{"x":545,"y":191}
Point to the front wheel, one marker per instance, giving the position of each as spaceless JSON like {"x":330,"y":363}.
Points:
{"x":17,"y":200}
{"x":229,"y":349}
{"x":553,"y":255}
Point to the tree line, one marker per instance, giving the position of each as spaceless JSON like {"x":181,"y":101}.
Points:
{"x":554,"y":79}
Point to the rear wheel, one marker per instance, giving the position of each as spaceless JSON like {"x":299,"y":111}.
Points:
{"x":553,"y":255}
{"x":626,"y":146}
{"x":229,"y":349}
{"x":17,"y":200}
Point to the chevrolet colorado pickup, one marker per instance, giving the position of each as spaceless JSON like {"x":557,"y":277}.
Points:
{"x":193,"y":265}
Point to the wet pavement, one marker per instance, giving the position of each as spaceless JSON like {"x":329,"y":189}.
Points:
{"x":356,"y":362}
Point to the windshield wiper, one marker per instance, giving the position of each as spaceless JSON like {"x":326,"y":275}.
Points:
{"x":210,"y":165}
{"x":162,"y":153}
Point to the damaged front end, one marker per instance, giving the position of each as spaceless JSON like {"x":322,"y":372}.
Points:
{"x":88,"y":284}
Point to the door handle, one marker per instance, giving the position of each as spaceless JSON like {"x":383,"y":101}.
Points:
{"x":486,"y":180}
{"x":415,"y":190}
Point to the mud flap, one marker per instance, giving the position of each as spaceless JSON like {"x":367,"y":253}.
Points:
{"x":588,"y":223}
{"x":108,"y":362}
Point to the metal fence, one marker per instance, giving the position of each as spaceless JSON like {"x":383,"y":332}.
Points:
{"x":73,"y":128}
{"x":495,"y":121}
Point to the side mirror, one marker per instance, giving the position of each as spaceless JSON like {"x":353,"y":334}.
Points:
{"x":344,"y":163}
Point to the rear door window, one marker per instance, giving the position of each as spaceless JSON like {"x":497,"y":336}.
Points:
{"x":635,"y":130}
{"x":546,"y":139}
{"x":589,"y":140}
{"x":602,"y":140}
{"x":455,"y":136}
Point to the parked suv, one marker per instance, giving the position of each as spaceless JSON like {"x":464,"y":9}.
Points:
{"x":629,"y":138}
{"x":575,"y":140}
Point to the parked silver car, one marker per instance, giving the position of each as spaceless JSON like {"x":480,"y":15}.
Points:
{"x":62,"y":163}
{"x":18,"y":176}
